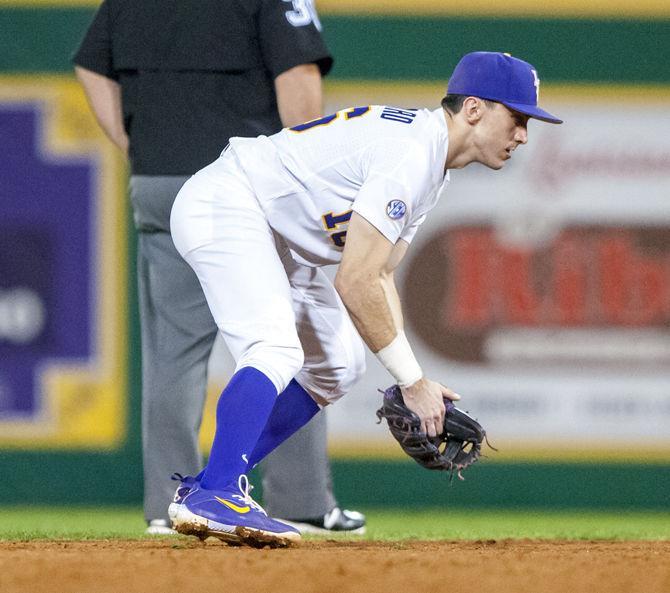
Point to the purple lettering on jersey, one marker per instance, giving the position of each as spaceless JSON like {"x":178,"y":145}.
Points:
{"x":46,"y":258}
{"x":405,"y":116}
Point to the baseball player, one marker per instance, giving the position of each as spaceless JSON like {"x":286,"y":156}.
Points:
{"x":351,"y":188}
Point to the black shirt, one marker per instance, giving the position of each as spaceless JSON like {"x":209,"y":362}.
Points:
{"x":193,"y":73}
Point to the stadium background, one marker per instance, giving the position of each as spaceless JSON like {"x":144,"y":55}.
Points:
{"x":72,"y":434}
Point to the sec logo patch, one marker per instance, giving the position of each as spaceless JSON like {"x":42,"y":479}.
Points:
{"x":396,"y":209}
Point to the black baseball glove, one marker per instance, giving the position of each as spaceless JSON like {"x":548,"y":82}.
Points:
{"x":458,"y":447}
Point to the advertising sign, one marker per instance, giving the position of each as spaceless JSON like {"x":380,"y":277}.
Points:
{"x":541,"y":292}
{"x":63,"y":314}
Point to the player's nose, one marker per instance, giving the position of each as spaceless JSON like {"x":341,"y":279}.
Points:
{"x":521,"y":135}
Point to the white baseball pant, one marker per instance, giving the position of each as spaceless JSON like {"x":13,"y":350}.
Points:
{"x":276,"y":315}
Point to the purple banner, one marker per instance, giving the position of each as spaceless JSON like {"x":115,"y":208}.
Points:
{"x":46,"y":257}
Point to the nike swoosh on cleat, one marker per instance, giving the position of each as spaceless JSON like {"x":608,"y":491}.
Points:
{"x":233,"y":506}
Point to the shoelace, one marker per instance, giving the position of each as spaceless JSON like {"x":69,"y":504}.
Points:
{"x":245,"y":496}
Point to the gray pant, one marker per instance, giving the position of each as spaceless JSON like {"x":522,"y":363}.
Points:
{"x":177,"y":337}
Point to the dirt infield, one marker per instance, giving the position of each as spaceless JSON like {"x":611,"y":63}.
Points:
{"x":184,"y":566}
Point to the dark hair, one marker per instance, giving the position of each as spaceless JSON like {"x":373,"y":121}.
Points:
{"x":454,"y":103}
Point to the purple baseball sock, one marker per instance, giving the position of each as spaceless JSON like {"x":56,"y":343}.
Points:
{"x":241,"y":414}
{"x":293,"y":409}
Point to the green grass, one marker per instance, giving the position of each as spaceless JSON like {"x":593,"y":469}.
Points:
{"x":475,"y":525}
{"x":26,"y":523}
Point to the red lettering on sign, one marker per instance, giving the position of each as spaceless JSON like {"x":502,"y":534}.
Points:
{"x":469,"y":301}
{"x":601,"y":277}
{"x":570,"y":283}
{"x":518,"y":301}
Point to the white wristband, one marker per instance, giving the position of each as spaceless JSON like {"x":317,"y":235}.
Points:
{"x":399,"y":360}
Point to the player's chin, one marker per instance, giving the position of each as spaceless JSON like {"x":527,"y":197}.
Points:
{"x":499,"y":163}
{"x":495,"y":164}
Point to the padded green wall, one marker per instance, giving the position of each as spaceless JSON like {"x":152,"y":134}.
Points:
{"x":418,"y":48}
{"x":35,"y":41}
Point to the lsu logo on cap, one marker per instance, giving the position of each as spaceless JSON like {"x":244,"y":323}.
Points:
{"x":396,"y":209}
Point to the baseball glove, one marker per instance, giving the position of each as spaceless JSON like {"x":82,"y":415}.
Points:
{"x":458,"y":447}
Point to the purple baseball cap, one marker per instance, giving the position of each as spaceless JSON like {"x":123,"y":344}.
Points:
{"x":501,"y":78}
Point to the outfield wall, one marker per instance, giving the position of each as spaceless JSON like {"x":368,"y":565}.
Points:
{"x":570,"y":349}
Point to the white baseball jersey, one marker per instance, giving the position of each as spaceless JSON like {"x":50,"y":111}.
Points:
{"x":277,"y":311}
{"x":386,"y":164}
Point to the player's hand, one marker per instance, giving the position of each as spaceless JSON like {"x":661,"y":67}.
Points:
{"x":426,"y":399}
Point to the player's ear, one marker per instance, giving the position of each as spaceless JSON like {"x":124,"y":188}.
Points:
{"x":473,"y":109}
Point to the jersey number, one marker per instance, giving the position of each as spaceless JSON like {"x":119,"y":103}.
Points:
{"x":324,"y":121}
{"x":332,"y":222}
{"x":303,"y":13}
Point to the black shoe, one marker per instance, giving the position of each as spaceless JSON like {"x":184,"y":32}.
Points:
{"x":336,"y":521}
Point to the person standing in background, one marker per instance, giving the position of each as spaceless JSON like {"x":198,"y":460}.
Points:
{"x":170,"y":81}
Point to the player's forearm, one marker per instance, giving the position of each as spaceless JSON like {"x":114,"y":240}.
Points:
{"x":299,"y":94}
{"x":374,"y":308}
{"x":393,"y":300}
{"x":104,"y":97}
{"x":365,"y":283}
{"x":367,"y":301}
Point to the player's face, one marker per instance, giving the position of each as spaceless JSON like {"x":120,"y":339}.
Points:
{"x":499,"y":133}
